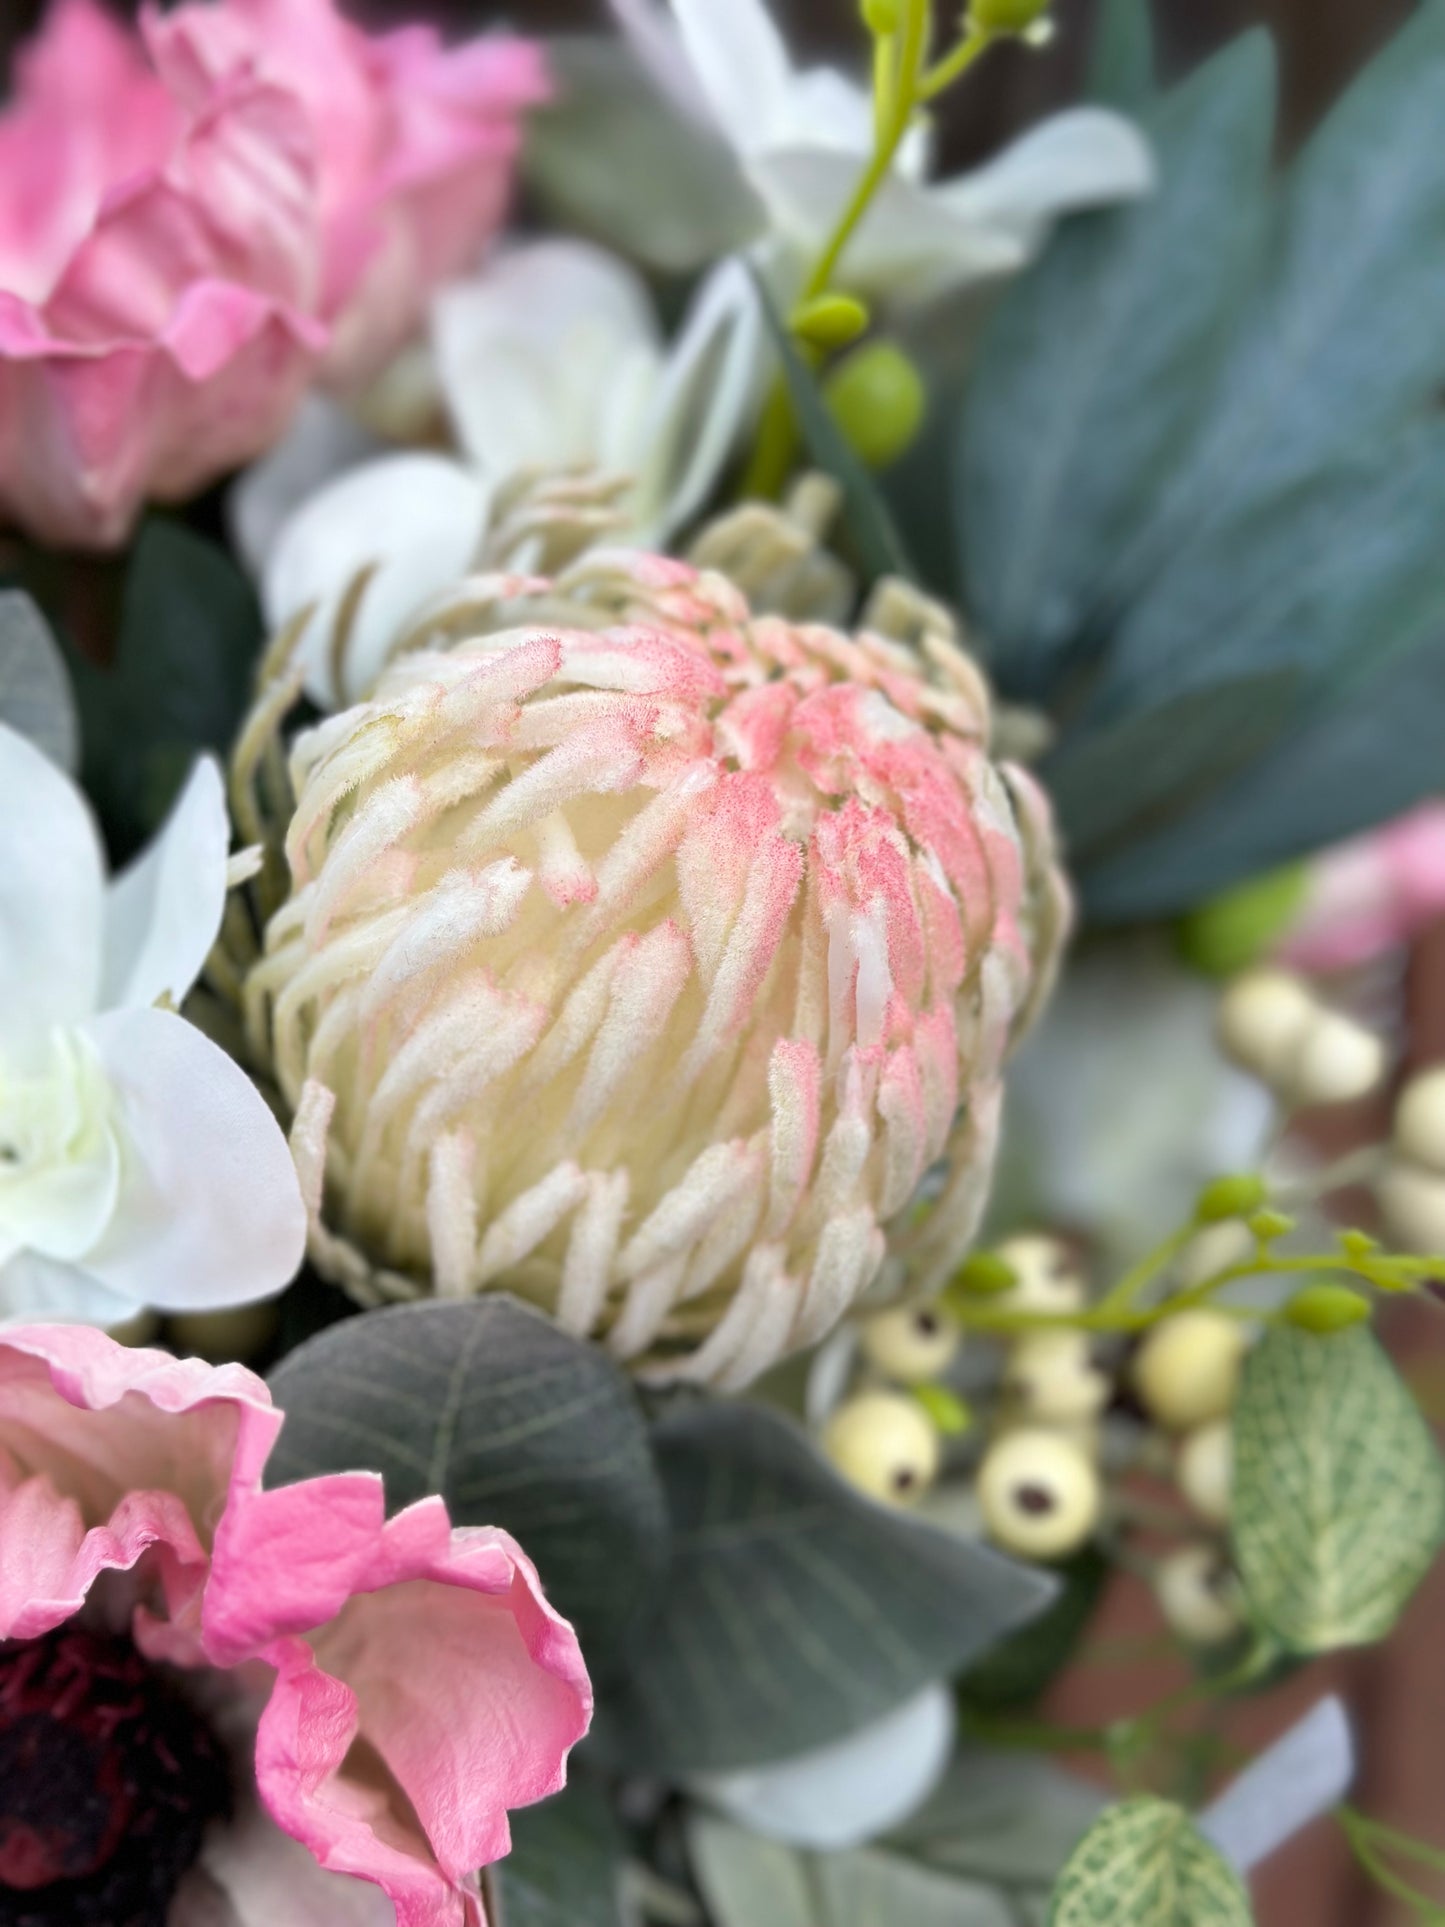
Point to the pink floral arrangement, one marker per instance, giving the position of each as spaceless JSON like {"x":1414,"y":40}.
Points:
{"x":237,"y":198}
{"x":185,"y":1655}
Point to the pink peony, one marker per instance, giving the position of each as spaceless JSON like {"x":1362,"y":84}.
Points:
{"x":198,"y":219}
{"x":199,"y":1681}
{"x":1375,"y":893}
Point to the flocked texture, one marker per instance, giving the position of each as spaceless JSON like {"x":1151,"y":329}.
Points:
{"x":644,"y":954}
{"x":415,"y":1682}
{"x":196,"y":219}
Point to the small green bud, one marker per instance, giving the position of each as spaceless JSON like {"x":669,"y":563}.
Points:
{"x":882,"y":17}
{"x":1235,"y":930}
{"x":1358,"y":1245}
{"x":1235,"y":1197}
{"x":1269,"y":1225}
{"x":830,"y":321}
{"x":948,"y":1411}
{"x":985,"y":1275}
{"x":1006,"y":16}
{"x":877,"y":398}
{"x":1323,"y":1309}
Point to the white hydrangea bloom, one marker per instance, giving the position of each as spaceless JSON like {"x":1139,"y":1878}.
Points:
{"x":138,"y":1164}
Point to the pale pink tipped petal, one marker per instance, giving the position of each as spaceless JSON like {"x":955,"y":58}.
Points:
{"x":210,"y":1211}
{"x":434,"y":1687}
{"x":109,"y":1454}
{"x":163,"y":913}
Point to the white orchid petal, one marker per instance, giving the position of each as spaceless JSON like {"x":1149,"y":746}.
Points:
{"x":322,"y":441}
{"x":52,"y":878}
{"x":40,"y":1290}
{"x":658,"y":46}
{"x":162,"y":914}
{"x":414,"y":521}
{"x":742,"y":65}
{"x":210,"y":1211}
{"x":842,"y":1795}
{"x":827,"y":109}
{"x":707,"y":395}
{"x":1087,"y":157}
{"x":528,"y":353}
{"x":59,"y":1160}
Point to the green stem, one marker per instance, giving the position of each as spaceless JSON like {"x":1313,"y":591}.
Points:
{"x":1035,"y":1736}
{"x":1362,"y":1836}
{"x":955,"y":66}
{"x":1123,"y":1294}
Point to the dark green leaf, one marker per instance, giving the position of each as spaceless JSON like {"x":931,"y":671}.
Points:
{"x":1016,"y":1671}
{"x":512,"y":1422}
{"x":1144,"y":1864}
{"x":879,"y":548}
{"x":1097,"y":366}
{"x":35,"y":696}
{"x":796,"y":1611}
{"x":1338,"y":1502}
{"x":1121,"y":59}
{"x":189,"y":637}
{"x":612,"y":159}
{"x":563,"y":1870}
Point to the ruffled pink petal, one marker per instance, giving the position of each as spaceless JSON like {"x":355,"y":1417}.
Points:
{"x":423,"y":1684}
{"x":1372,"y":894}
{"x":109,"y":1454}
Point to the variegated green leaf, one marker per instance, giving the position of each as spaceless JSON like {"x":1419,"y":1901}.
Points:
{"x":1339,"y":1494}
{"x":1144,"y":1864}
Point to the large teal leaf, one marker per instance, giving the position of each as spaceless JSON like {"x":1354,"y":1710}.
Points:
{"x":1097,"y":365}
{"x":565,"y":1864}
{"x":795,"y":1610}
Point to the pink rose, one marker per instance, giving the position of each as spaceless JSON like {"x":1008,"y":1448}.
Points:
{"x":197,"y":220}
{"x":200,"y":1680}
{"x":1374,"y":893}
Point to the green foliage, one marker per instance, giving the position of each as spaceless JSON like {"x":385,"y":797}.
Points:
{"x":1016,"y":1672}
{"x":1201,"y":480}
{"x":190,"y":635}
{"x":1339,"y":1497}
{"x":1234,"y":930}
{"x":35,"y":696}
{"x":1121,"y":59}
{"x":512,"y":1422}
{"x":565,"y":1863}
{"x":1144,"y":1864}
{"x":795,"y":1610}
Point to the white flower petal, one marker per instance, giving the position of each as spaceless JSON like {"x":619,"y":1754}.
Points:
{"x":707,"y":394}
{"x":322,"y":441}
{"x":658,"y":45}
{"x":38,"y":1290}
{"x":251,"y":1874}
{"x":842,"y":1795}
{"x":741,"y":63}
{"x":529,"y":354}
{"x":163,"y":912}
{"x":1087,"y":157}
{"x":52,"y":875}
{"x":415,"y":521}
{"x":210,"y":1211}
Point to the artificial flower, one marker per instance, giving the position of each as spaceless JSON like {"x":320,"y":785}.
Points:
{"x":549,"y":360}
{"x":643,"y":954}
{"x":802,"y":139}
{"x":1370,"y":895}
{"x":138,"y":1163}
{"x":223,"y":1704}
{"x":197,"y":219}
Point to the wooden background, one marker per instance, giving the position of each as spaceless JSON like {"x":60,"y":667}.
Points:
{"x":1397,"y":1694}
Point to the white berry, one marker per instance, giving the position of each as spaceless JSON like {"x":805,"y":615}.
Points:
{"x":911,"y":1343}
{"x":1263,"y":1017}
{"x":1039,"y":1495}
{"x":1048,"y":1278}
{"x":1187,"y":1370}
{"x":1337,"y":1062}
{"x":1420,"y":1120}
{"x":1054,"y":1379}
{"x":1199,"y":1595}
{"x":1412,"y":1200}
{"x":1204,"y":1469}
{"x":886,"y":1445}
{"x":1212,"y":1249}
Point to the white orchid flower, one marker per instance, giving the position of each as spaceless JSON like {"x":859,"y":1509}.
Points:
{"x":802,"y":137}
{"x":139,"y":1166}
{"x":552,"y":359}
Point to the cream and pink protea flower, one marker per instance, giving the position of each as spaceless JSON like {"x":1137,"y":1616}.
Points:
{"x":198,"y":218}
{"x":222,"y":1707}
{"x":644,"y":955}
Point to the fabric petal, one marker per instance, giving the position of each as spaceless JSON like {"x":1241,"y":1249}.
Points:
{"x":1087,"y":157}
{"x":163,"y":913}
{"x":52,"y":878}
{"x":210,"y":1211}
{"x":741,"y":62}
{"x":410,"y":524}
{"x":34,"y":1287}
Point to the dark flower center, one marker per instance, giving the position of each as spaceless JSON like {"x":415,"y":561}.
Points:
{"x":109,"y":1778}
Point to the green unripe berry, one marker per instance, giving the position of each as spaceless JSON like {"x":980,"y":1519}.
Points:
{"x":1269,"y":1225}
{"x":829,"y":322}
{"x":1006,"y":16}
{"x":1242,"y":926}
{"x":1323,"y":1309}
{"x":985,"y":1275}
{"x":882,"y":17}
{"x":1235,"y":1197}
{"x":878,"y":400}
{"x":949,"y":1412}
{"x":1358,"y":1244}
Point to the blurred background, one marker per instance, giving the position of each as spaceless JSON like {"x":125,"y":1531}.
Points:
{"x":1396,"y":1694}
